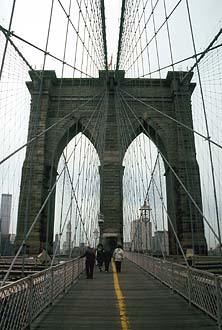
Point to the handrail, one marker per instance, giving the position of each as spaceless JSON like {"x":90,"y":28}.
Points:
{"x":200,"y":288}
{"x":22,"y":301}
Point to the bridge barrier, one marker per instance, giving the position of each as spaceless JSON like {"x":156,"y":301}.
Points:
{"x":22,"y":301}
{"x":200,"y":288}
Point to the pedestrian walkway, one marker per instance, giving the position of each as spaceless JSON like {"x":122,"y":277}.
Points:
{"x":143,"y":302}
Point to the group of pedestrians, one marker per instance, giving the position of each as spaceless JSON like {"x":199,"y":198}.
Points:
{"x":102,"y":256}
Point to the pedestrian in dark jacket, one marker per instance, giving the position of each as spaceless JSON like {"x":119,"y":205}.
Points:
{"x":90,"y":261}
{"x":107,"y":258}
{"x":100,"y":256}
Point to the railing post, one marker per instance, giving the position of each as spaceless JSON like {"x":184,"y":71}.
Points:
{"x":30,"y":301}
{"x":78,"y":266}
{"x":218,"y":301}
{"x":64,"y":285}
{"x":189,"y":284}
{"x":52,"y":286}
{"x":73,"y":270}
{"x":162,"y":269}
{"x":172,"y":276}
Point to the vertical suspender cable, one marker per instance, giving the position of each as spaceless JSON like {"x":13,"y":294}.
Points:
{"x":104,"y":33}
{"x":35,"y":129}
{"x":207,"y":129}
{"x":120,"y":33}
{"x":7,"y":38}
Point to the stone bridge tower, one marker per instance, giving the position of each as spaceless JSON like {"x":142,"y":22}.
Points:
{"x":171,"y":96}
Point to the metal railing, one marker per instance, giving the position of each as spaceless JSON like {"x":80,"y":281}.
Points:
{"x":200,"y":288}
{"x":22,"y":301}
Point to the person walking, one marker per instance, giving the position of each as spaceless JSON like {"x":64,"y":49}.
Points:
{"x":107,"y":255}
{"x":118,"y":257}
{"x":100,"y":256}
{"x":90,"y":261}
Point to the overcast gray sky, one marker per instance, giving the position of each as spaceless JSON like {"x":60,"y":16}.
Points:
{"x":31,"y":19}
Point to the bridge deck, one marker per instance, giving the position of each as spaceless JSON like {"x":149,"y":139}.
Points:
{"x":92,"y":304}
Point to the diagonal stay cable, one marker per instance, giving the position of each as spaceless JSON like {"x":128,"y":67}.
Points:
{"x":62,"y":230}
{"x":207,"y":49}
{"x":156,"y":33}
{"x":96,"y":131}
{"x":74,"y":196}
{"x":207,"y":138}
{"x":49,"y":128}
{"x":120,"y":33}
{"x":98,"y":107}
{"x":206,"y":125}
{"x":102,"y":9}
{"x":93,"y":38}
{"x":7,"y":38}
{"x":34,"y":130}
{"x":125,"y":118}
{"x":82,"y":41}
{"x":154,"y":182}
{"x":40,"y":211}
{"x":175,"y":174}
{"x":12,"y":34}
{"x":129,"y":32}
{"x":172,"y":64}
{"x":19,"y":52}
{"x":31,"y":227}
{"x":133,"y":45}
{"x":73,"y":190}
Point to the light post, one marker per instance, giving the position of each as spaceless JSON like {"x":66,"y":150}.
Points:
{"x":100,"y":222}
{"x":145,"y":214}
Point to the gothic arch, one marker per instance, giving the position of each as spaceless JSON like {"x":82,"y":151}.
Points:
{"x":170,"y":96}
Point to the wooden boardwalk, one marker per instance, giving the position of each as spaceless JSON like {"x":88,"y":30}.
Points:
{"x":92,"y":304}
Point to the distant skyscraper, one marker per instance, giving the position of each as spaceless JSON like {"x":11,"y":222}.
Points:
{"x":141,"y":235}
{"x":56,"y":245}
{"x":68,"y":235}
{"x":67,"y":243}
{"x":5,"y":214}
{"x":161,"y":242}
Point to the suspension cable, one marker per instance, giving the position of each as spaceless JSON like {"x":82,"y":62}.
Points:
{"x":152,"y":180}
{"x":7,"y":38}
{"x":176,"y":176}
{"x":207,"y":129}
{"x":207,"y":138}
{"x":120,"y":33}
{"x":104,"y":33}
{"x":38,"y":215}
{"x":49,"y":128}
{"x":12,"y":34}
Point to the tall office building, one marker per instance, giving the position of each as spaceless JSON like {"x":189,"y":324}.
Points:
{"x":67,"y":243}
{"x":5,"y":213}
{"x":141,"y":235}
{"x":56,"y":245}
{"x":161,"y":242}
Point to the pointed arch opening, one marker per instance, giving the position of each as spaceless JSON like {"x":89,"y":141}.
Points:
{"x":144,"y":181}
{"x":77,"y":200}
